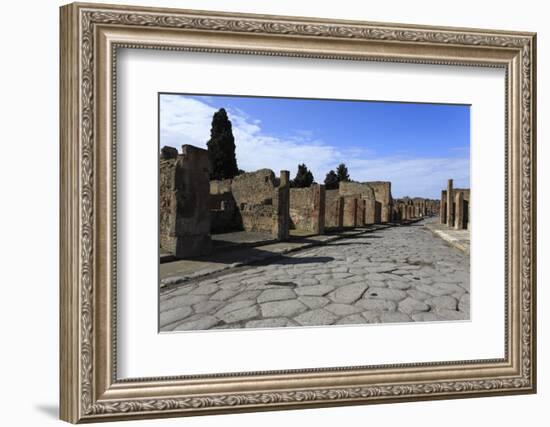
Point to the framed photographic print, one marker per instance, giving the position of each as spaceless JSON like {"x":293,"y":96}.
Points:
{"x":266,"y":212}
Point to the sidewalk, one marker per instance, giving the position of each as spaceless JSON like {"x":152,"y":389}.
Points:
{"x":176,"y":272}
{"x":460,"y":239}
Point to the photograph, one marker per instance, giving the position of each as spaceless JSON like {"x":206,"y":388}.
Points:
{"x":291,"y":212}
{"x":272,"y":209}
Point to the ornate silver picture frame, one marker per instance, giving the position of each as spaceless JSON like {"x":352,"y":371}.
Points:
{"x":91,"y":37}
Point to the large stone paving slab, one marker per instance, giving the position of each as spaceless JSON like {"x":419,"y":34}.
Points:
{"x":404,"y":274}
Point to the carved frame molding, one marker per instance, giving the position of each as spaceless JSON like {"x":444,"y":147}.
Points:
{"x":90,"y":35}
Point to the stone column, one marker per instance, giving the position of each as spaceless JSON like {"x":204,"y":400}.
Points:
{"x":282,"y":226}
{"x":450,"y":213}
{"x":318,"y":214}
{"x":443,"y":208}
{"x":459,"y":212}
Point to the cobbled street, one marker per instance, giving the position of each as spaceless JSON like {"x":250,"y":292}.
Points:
{"x":398,"y":274}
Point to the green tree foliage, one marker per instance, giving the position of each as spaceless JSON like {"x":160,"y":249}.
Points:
{"x":342,"y":173}
{"x":221,"y":147}
{"x":331,"y":181}
{"x":304,"y":177}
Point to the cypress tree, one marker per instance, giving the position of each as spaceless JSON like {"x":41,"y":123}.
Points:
{"x":221,"y":147}
{"x":342,"y":173}
{"x":304,"y":177}
{"x":331,"y":181}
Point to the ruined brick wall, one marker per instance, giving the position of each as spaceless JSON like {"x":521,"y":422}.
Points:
{"x":307,"y":208}
{"x":370,"y":211}
{"x":417,"y":207}
{"x":461,"y":197}
{"x":334,"y":209}
{"x":256,"y":199}
{"x":262,"y":202}
{"x":378,"y":206}
{"x":403,"y":209}
{"x":364,"y":192}
{"x":224,"y":215}
{"x":383,"y":197}
{"x":356,"y":188}
{"x":360,"y":214}
{"x":459,"y":205}
{"x":350,"y":210}
{"x":184,"y":217}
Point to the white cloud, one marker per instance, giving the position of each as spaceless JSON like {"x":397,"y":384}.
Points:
{"x":187,"y":121}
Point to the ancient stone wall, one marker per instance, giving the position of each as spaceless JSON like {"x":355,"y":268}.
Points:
{"x":356,"y":189}
{"x":360,"y":215}
{"x":334,"y":210}
{"x":307,"y":209}
{"x":224,"y":215}
{"x":184,"y":217}
{"x":370,"y":211}
{"x":417,"y":207}
{"x":383,"y":197}
{"x":262,"y":202}
{"x":366,"y":193}
{"x":350,"y":210}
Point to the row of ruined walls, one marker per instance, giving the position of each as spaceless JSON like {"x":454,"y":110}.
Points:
{"x":192,"y":207}
{"x":311,"y":210}
{"x":410,"y":208}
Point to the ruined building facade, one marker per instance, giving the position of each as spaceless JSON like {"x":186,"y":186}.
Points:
{"x":455,"y":207}
{"x":409,"y":208}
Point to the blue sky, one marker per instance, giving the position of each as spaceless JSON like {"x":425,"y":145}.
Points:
{"x":415,"y":146}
